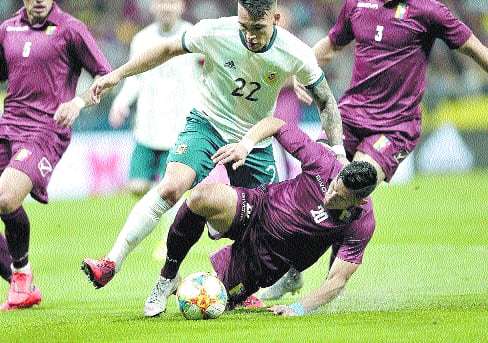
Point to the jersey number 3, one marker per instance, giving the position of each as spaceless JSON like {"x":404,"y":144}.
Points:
{"x":241,"y":83}
{"x":379,"y":33}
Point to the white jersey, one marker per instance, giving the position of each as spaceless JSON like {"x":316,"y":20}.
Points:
{"x":166,"y":94}
{"x":240,"y":87}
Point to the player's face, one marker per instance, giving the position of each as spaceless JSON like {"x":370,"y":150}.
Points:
{"x":37,"y":10}
{"x":168,"y":12}
{"x":338,"y":197}
{"x":257,"y":32}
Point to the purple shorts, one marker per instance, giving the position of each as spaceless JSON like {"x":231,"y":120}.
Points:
{"x":248,"y":263}
{"x":387,"y":148}
{"x":37,"y":158}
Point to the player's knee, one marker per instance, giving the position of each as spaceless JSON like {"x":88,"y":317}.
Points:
{"x":198,"y":198}
{"x":8,"y":204}
{"x":171,"y":193}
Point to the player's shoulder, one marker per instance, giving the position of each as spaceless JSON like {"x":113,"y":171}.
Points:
{"x":217,"y":26}
{"x":146,"y":31}
{"x":290,"y":43}
{"x":66,"y":21}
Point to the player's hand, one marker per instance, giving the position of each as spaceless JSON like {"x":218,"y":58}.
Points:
{"x":301,"y":92}
{"x":66,"y":114}
{"x":103,"y":83}
{"x":231,"y":152}
{"x":117,"y":115}
{"x":282,"y":310}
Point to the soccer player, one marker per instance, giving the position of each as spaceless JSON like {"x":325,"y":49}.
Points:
{"x":381,"y":110}
{"x":160,"y":112}
{"x":273,"y":226}
{"x":42,"y":52}
{"x":247,"y":60}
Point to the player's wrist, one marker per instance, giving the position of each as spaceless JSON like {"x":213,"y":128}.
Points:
{"x":339,"y":150}
{"x":247,"y":143}
{"x":79,"y":102}
{"x":297,"y":308}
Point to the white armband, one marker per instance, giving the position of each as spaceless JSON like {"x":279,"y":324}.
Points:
{"x":339,"y":150}
{"x":248,"y":144}
{"x":79,"y":102}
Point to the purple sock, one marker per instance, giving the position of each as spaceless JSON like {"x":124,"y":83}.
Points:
{"x":186,"y":230}
{"x":17,"y":233}
{"x":5,"y":260}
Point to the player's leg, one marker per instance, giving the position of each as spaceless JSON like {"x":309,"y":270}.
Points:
{"x":142,"y":220}
{"x":213,"y":202}
{"x":188,"y":163}
{"x":14,"y":187}
{"x":26,"y":168}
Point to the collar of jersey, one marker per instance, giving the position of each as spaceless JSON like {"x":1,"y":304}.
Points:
{"x":54,"y":17}
{"x":265,"y":48}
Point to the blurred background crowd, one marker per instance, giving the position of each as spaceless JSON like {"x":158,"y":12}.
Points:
{"x":113,"y":23}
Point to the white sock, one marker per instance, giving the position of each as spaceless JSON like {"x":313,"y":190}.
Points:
{"x":142,"y":220}
{"x":24,"y":270}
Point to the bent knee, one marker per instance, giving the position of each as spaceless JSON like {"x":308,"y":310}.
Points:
{"x":198,"y":197}
{"x":8,"y":203}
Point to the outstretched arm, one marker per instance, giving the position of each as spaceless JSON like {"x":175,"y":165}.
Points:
{"x":339,"y":274}
{"x":476,"y":50}
{"x":238,"y":152}
{"x":67,"y":112}
{"x":147,"y":60}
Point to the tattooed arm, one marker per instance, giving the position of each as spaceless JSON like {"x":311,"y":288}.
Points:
{"x":329,"y":114}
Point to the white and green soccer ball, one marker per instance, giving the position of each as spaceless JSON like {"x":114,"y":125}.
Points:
{"x":201,"y":296}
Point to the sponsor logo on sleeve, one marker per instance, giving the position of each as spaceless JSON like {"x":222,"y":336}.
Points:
{"x":44,"y":166}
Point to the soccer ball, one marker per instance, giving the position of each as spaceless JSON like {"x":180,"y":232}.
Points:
{"x":201,"y":296}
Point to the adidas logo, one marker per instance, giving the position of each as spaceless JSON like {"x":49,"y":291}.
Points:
{"x":230,"y":65}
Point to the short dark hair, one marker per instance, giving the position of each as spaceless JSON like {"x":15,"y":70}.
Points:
{"x":360,"y":177}
{"x":257,"y":9}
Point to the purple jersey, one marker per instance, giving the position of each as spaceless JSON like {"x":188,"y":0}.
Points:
{"x":285,"y":224}
{"x":393,"y":43}
{"x":42,"y":63}
{"x":294,"y":216}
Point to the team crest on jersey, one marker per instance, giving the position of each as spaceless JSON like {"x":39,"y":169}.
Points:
{"x":271,"y":77}
{"x":44,"y":166}
{"x":401,"y":11}
{"x":181,"y":149}
{"x":382,"y":144}
{"x":23,"y":155}
{"x":50,"y":30}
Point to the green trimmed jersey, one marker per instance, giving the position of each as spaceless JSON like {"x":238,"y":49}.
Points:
{"x":240,"y":87}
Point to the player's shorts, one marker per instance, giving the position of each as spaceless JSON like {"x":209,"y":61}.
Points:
{"x":37,"y":158}
{"x":147,"y":163}
{"x":199,"y":141}
{"x":387,"y":148}
{"x":248,"y":263}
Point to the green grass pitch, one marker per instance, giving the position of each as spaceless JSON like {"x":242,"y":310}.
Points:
{"x":424,"y":277}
